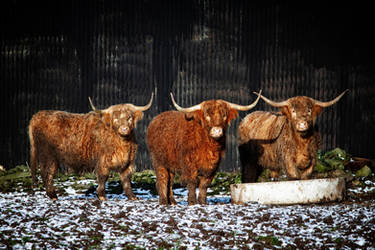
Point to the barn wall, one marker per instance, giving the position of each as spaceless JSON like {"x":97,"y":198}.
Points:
{"x":54,"y":54}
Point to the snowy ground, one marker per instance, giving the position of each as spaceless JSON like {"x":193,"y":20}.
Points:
{"x":77,"y":220}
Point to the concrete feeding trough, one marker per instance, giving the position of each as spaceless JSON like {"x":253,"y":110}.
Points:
{"x":289,"y":192}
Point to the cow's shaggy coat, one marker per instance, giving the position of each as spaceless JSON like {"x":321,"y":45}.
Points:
{"x":100,"y":141}
{"x":191,"y":143}
{"x":286,"y":141}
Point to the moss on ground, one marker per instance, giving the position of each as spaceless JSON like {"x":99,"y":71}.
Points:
{"x":334,"y":163}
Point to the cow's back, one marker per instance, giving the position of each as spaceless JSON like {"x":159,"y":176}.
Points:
{"x":69,"y":137}
{"x":56,"y":125}
{"x":164,"y":135}
{"x":258,"y":133}
{"x":260,"y":126}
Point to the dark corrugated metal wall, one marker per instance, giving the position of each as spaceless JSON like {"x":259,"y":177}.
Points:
{"x":56,"y":54}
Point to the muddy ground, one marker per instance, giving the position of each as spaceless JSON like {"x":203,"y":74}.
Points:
{"x":28,"y":219}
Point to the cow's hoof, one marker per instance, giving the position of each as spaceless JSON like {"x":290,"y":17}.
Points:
{"x":173,"y":203}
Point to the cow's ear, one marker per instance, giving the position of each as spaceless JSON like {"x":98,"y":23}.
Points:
{"x":317,"y":110}
{"x":285,"y":111}
{"x":198,"y":116}
{"x":107,"y":119}
{"x":233,"y":113}
{"x":189,"y":116}
{"x":138,"y":115}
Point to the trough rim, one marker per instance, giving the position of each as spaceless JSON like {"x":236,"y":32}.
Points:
{"x":337,"y":193}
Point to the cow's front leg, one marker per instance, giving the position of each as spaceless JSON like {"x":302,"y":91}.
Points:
{"x":274,"y":174}
{"x":162,"y":179}
{"x":291,"y":169}
{"x":102,"y":176}
{"x":126,"y":176}
{"x":308,"y":171}
{"x":204,"y":182}
{"x":192,"y":196}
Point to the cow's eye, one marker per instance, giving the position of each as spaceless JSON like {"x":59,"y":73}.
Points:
{"x":130,"y":120}
{"x":309,"y":111}
{"x":294,"y":113}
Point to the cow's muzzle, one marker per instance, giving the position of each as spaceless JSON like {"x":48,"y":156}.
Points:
{"x":216,"y":132}
{"x":124,"y":131}
{"x":302,"y":126}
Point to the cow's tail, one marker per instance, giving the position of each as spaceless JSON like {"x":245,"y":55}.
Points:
{"x":33,"y":157}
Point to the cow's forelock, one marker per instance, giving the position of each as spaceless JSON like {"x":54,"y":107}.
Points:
{"x":215,"y":116}
{"x":123,"y":121}
{"x":300,"y":113}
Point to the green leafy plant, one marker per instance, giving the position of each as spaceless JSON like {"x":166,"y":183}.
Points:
{"x":332,"y":160}
{"x":222,"y":181}
{"x":270,"y":240}
{"x":365,"y":171}
{"x":16,"y":179}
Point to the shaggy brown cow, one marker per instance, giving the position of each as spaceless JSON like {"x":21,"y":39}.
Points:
{"x":102,"y":141}
{"x":191,"y":143}
{"x":286,"y":140}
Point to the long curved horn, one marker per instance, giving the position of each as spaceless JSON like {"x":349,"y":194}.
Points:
{"x":186,"y":110}
{"x":242,"y":107}
{"x":143,"y":108}
{"x":272,"y":103}
{"x":327,"y":104}
{"x":93,"y":107}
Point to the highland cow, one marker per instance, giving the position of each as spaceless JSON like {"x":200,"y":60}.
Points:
{"x":190,"y":142}
{"x":287,"y":140}
{"x":100,"y":141}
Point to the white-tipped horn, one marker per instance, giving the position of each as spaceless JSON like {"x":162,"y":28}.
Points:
{"x":93,"y":107}
{"x":272,"y":103}
{"x":244,"y":107}
{"x":143,"y":108}
{"x":186,"y":110}
{"x":330,"y":103}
